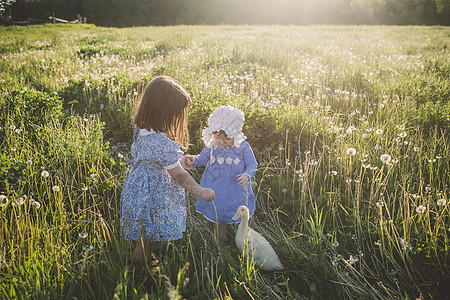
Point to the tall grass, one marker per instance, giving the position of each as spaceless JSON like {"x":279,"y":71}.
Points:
{"x":349,"y":126}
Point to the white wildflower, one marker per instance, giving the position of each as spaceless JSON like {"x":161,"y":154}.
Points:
{"x":45,"y":174}
{"x":120,"y":155}
{"x":416,"y":149}
{"x":402,"y":134}
{"x":55,"y":188}
{"x":352,"y":260}
{"x":379,"y":131}
{"x":29,"y":162}
{"x":333,"y":173}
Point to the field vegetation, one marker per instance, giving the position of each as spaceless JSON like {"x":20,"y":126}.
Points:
{"x":349,"y":125}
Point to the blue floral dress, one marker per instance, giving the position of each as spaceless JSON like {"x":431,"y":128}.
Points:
{"x":222,"y":166}
{"x":152,"y":203}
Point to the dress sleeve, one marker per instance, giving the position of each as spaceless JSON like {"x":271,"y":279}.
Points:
{"x":250,"y":161}
{"x":170,"y":154}
{"x":202,"y":158}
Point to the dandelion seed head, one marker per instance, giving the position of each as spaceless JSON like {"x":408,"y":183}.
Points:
{"x":83,"y":235}
{"x":421,"y":209}
{"x":379,"y":131}
{"x":441,"y":202}
{"x":45,"y":174}
{"x":18,"y":202}
{"x":333,"y":173}
{"x":402,"y":134}
{"x":284,"y":190}
{"x":385,"y":158}
{"x":35,"y":205}
{"x":29,"y":162}
{"x":3,"y":200}
{"x":351,"y":151}
{"x":55,"y":188}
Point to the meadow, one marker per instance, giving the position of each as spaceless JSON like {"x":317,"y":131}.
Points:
{"x":349,"y":125}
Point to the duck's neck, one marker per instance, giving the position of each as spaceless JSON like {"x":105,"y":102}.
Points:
{"x":243,"y":227}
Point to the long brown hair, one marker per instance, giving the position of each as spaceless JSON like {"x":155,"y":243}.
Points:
{"x":163,"y":107}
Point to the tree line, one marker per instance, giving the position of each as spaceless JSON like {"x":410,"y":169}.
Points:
{"x":125,"y":13}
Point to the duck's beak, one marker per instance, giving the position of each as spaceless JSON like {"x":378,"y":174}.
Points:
{"x":236,"y":216}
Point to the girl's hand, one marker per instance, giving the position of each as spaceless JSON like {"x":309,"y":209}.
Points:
{"x":207,"y":194}
{"x":243,"y":179}
{"x":186,"y":161}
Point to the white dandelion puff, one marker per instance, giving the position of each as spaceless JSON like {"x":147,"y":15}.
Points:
{"x":83,"y":235}
{"x":351,"y":151}
{"x":402,"y":134}
{"x":333,"y":173}
{"x":385,"y":158}
{"x":350,"y":129}
{"x":441,"y":202}
{"x":45,"y":174}
{"x":55,"y":188}
{"x":379,"y":131}
{"x":421,"y":209}
{"x":3,"y":200}
{"x":29,"y":162}
{"x":18,"y":202}
{"x":35,"y":204}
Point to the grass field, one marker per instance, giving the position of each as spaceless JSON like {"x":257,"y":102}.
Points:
{"x":349,"y":125}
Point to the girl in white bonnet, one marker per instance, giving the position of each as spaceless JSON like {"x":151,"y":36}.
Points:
{"x":230,"y":165}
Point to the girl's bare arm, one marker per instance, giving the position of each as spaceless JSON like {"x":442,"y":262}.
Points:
{"x":189,"y":184}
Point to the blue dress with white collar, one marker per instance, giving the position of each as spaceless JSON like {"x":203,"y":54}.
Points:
{"x":152,"y":203}
{"x":222,"y":166}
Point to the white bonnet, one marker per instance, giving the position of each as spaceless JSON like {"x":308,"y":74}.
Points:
{"x":228,"y":119}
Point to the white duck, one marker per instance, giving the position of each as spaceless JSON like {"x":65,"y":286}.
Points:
{"x":263,"y":254}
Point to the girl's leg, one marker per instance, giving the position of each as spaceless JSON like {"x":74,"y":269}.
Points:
{"x":160,"y":247}
{"x":138,"y":255}
{"x":222,"y":227}
{"x":144,"y":249}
